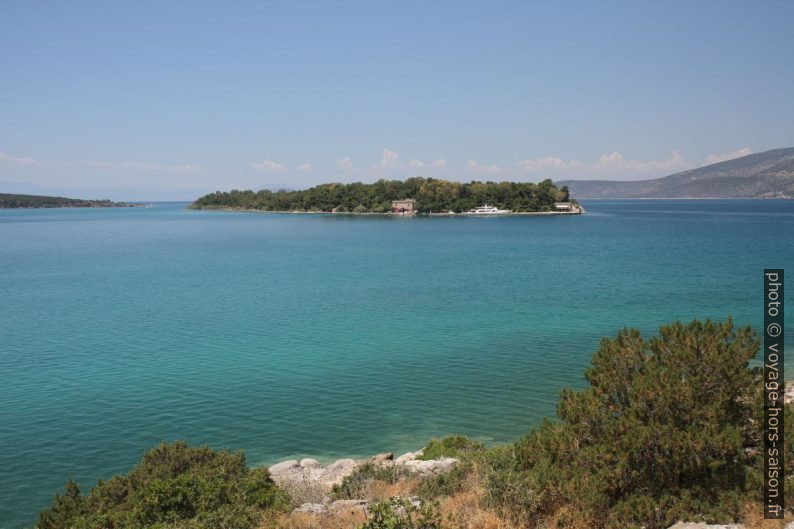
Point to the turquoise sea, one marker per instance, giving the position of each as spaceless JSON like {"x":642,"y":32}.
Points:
{"x":330,"y":336}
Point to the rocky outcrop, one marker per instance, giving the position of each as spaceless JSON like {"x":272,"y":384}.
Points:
{"x":430,"y":467}
{"x":333,"y":508}
{"x":309,"y":471}
{"x":349,"y":507}
{"x":310,"y":483}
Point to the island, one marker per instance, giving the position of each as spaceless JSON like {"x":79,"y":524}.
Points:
{"x":8,"y":200}
{"x":418,"y":195}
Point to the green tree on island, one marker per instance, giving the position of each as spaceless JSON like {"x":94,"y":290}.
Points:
{"x":431,"y":194}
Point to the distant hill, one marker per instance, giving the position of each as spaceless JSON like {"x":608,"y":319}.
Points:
{"x":767,"y":174}
{"x":37,"y":201}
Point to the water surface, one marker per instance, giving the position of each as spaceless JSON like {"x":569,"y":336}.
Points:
{"x":330,"y":336}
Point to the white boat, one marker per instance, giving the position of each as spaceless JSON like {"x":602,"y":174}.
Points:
{"x":488,"y":210}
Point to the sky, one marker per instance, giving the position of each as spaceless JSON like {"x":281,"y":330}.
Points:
{"x":171,"y":100}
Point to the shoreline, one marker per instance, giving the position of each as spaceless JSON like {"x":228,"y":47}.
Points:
{"x":580,"y":211}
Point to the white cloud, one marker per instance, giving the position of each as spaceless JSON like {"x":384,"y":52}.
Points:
{"x":137,"y":166}
{"x":267,"y":165}
{"x":345,"y":163}
{"x":532,"y":165}
{"x":616,"y":162}
{"x":26,"y":160}
{"x":476,"y":167}
{"x":389,"y":158}
{"x":441,"y":163}
{"x":716,"y":158}
{"x":303,"y":167}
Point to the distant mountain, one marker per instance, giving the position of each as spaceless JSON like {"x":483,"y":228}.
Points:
{"x":767,"y":174}
{"x":38,"y":201}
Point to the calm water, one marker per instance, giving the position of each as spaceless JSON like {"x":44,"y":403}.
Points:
{"x":300,"y":335}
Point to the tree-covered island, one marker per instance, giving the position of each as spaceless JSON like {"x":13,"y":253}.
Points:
{"x":8,"y":200}
{"x":431,"y":195}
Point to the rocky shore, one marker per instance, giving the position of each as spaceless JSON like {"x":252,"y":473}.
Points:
{"x":308,"y":480}
{"x":312,"y":484}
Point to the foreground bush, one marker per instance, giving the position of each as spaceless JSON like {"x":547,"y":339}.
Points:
{"x":402,"y":514}
{"x":175,"y":486}
{"x":669,"y":429}
{"x":457,"y":446}
{"x":355,"y":485}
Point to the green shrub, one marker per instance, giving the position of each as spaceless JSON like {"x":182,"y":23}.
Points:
{"x":174,"y":484}
{"x":667,"y":430}
{"x":401,"y":514}
{"x":507,"y":486}
{"x":447,"y":483}
{"x":458,"y":446}
{"x":354,"y":486}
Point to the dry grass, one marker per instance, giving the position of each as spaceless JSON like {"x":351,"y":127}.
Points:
{"x":569,"y":518}
{"x":304,"y":492}
{"x":381,"y":490}
{"x":464,"y":510}
{"x":344,"y":520}
{"x":753,"y":518}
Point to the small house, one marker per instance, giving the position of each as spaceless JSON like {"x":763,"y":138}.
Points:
{"x":405,"y":206}
{"x":563,"y":206}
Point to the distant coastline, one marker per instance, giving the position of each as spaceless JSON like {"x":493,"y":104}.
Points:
{"x":14,"y":201}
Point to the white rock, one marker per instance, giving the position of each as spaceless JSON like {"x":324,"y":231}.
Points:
{"x":284,"y":466}
{"x":386,"y":457}
{"x":409,"y":456}
{"x":310,"y":472}
{"x":309,"y":463}
{"x":348,"y":506}
{"x":430,"y":467}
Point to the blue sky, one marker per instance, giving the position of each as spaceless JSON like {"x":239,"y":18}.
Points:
{"x":169,"y":100}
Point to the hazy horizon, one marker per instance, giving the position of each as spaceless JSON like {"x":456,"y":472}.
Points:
{"x":169,"y":102}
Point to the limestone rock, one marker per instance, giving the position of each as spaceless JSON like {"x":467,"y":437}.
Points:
{"x":348,"y":506}
{"x":283,"y":467}
{"x":309,"y":482}
{"x":309,"y":463}
{"x":292,"y":473}
{"x":382,"y":458}
{"x":430,"y":467}
{"x":410,"y":456}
